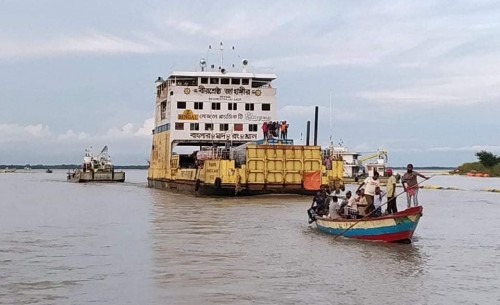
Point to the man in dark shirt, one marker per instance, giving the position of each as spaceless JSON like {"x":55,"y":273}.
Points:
{"x":410,"y":185}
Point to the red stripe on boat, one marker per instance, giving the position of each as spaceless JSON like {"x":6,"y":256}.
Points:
{"x":390,"y":237}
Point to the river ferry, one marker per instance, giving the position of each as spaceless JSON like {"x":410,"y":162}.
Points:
{"x":208,"y":138}
{"x":96,"y":168}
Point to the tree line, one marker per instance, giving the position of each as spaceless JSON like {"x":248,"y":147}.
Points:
{"x":487,"y":158}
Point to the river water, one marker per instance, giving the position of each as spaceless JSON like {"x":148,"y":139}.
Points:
{"x":65,"y":243}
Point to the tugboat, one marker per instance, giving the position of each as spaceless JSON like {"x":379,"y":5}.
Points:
{"x":211,"y":138}
{"x":8,"y":170}
{"x":96,"y":169}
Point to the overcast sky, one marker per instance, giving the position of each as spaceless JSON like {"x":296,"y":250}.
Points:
{"x":420,"y":79}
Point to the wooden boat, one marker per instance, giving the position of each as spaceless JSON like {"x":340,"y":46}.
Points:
{"x":397,"y":227}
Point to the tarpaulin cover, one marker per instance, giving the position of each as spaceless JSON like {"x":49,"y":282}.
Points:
{"x":312,"y":180}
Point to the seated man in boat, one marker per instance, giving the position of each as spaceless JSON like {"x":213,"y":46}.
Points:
{"x":323,"y":207}
{"x":317,"y":207}
{"x":351,"y":209}
{"x":362,"y":204}
{"x":345,"y":201}
{"x":334,"y":208}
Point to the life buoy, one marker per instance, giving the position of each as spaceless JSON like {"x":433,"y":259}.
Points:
{"x":218,"y":183}
{"x":197,"y":185}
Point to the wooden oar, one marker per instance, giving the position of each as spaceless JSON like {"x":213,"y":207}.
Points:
{"x":367,"y":215}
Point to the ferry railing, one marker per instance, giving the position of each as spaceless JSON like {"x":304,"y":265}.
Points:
{"x":275,"y":142}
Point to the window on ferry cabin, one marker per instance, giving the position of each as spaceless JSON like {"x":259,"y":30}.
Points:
{"x":209,"y":126}
{"x":223,"y":127}
{"x":194,"y":126}
{"x":261,"y":83}
{"x":190,"y":81}
{"x":214,"y":80}
{"x":238,"y":127}
{"x":181,"y":105}
{"x":215,"y":106}
{"x":252,"y":127}
{"x":266,"y":107}
{"x":179,"y":126}
{"x":163,"y":110}
{"x":235,"y":81}
{"x":198,"y":105}
{"x":245,"y":81}
{"x":204,"y":80}
{"x":232,"y":106}
{"x":249,"y":107}
{"x":224,"y":81}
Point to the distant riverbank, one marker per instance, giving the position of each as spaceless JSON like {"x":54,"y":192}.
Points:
{"x":477,"y":168}
{"x":65,"y":166}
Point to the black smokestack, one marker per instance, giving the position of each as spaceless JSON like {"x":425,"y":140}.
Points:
{"x":308,"y":132}
{"x":316,"y":109}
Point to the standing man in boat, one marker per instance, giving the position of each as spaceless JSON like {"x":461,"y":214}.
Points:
{"x":371,"y":183}
{"x":410,"y":185}
{"x":390,"y":190}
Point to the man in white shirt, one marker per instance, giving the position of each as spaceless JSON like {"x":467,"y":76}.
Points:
{"x":334,"y":208}
{"x":377,"y":202}
{"x":370,"y":184}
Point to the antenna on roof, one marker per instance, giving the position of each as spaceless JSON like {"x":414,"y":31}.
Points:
{"x":331,"y":143}
{"x":208,"y":52}
{"x":233,"y":65}
{"x":221,"y":55}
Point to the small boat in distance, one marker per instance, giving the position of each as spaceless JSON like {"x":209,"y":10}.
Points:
{"x":8,"y":170}
{"x":397,"y":227}
{"x":96,"y":169}
{"x":48,"y":171}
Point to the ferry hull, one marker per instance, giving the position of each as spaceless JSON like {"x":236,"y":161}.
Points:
{"x":83,"y":177}
{"x":200,"y":188}
{"x":398,"y":227}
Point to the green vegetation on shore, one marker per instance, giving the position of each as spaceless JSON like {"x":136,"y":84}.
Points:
{"x":478,"y":168}
{"x":488,"y":164}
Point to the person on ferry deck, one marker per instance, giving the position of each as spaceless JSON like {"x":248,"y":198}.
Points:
{"x":390,"y":190}
{"x":370,"y":184}
{"x":283,"y":130}
{"x":264,"y":130}
{"x":270,"y":130}
{"x":410,"y":185}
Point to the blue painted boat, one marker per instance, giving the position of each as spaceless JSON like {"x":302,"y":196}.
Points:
{"x":397,"y":227}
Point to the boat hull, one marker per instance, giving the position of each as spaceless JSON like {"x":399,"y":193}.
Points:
{"x":398,"y":227}
{"x":89,"y":176}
